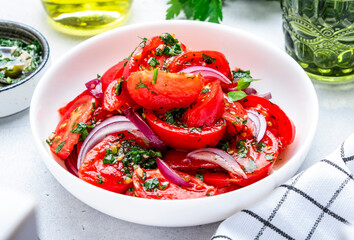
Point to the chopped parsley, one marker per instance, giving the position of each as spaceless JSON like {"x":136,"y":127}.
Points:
{"x":251,"y":166}
{"x":172,"y":116}
{"x":168,"y":39}
{"x":242,"y":149}
{"x":172,"y":50}
{"x":100,"y":181}
{"x":118,"y":87}
{"x":153,"y":62}
{"x":200,"y":176}
{"x":151,"y":184}
{"x":207,"y":59}
{"x":60,"y":147}
{"x":270,"y":157}
{"x":156,"y":70}
{"x":82,"y":128}
{"x":140,"y":85}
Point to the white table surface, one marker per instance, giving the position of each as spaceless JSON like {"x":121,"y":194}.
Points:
{"x":62,"y":216}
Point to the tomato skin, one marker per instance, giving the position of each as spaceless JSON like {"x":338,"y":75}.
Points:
{"x":112,"y":101}
{"x":278,"y":122}
{"x":195,"y":58}
{"x":140,"y":57}
{"x":235,"y":116}
{"x":114,"y":72}
{"x":177,"y":160}
{"x":65,"y":108}
{"x":80,"y":111}
{"x":255,"y":164}
{"x":208,"y":108}
{"x":171,"y":90}
{"x":171,"y":191}
{"x":106,"y":176}
{"x":184,"y":138}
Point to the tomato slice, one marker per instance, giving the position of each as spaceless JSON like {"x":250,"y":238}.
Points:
{"x":185,"y":138}
{"x":159,"y":90}
{"x":211,"y":59}
{"x":151,"y":49}
{"x":116,"y":96}
{"x":63,"y":140}
{"x":106,"y":165}
{"x":208,"y":108}
{"x":235,"y":116}
{"x":256,"y":159}
{"x":114,"y":72}
{"x":65,"y":108}
{"x":177,"y":160}
{"x":152,"y":184}
{"x":278,"y":122}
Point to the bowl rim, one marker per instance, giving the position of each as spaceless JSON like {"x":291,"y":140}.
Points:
{"x":44,"y":46}
{"x":50,"y":161}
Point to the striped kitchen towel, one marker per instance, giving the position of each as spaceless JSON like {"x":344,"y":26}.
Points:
{"x":315,"y":204}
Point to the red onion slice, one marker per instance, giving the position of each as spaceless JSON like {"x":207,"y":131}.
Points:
{"x":155,"y":141}
{"x":70,"y":163}
{"x":95,"y":88}
{"x":220,"y":157}
{"x":170,"y":174}
{"x":267,"y":95}
{"x":108,"y":126}
{"x":207,"y":73}
{"x":260,"y":124}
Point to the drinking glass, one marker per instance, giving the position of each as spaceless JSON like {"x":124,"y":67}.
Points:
{"x":319,"y":35}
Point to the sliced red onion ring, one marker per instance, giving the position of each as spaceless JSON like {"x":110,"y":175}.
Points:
{"x":110,"y":125}
{"x":95,"y":88}
{"x":220,"y":157}
{"x":170,"y":174}
{"x":250,"y":91}
{"x":267,"y":95}
{"x":155,"y":141}
{"x":260,"y":124}
{"x":207,"y":73}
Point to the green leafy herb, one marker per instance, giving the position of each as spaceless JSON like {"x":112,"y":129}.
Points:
{"x":242,"y":149}
{"x":82,"y":128}
{"x":118,"y":87}
{"x":270,"y":157}
{"x":100,"y":181}
{"x":203,"y":10}
{"x":153,"y":62}
{"x":171,"y":116}
{"x":236,"y":95}
{"x":168,"y":39}
{"x":60,"y":147}
{"x":207,"y":59}
{"x":261,"y":146}
{"x":98,"y":76}
{"x":110,"y":157}
{"x":200,"y":176}
{"x":140,"y":85}
{"x":155,"y":76}
{"x":172,"y":50}
{"x":151,"y":184}
{"x":244,"y":82}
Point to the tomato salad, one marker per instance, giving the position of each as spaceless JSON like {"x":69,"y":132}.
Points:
{"x":171,"y":123}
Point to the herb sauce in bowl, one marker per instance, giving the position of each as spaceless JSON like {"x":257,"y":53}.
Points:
{"x":17,"y":60}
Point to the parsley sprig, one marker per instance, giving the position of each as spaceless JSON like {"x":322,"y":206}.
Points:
{"x":203,"y":10}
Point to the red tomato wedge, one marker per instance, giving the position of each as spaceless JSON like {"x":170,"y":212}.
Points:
{"x":159,"y":90}
{"x":208,"y":108}
{"x":107,"y":176}
{"x":235,"y":116}
{"x":115,"y":72}
{"x":151,"y":50}
{"x":185,"y":138}
{"x":65,"y":108}
{"x":64,"y":140}
{"x":211,"y":59}
{"x":152,"y":184}
{"x":177,"y":160}
{"x":256,"y":159}
{"x":278,"y":122}
{"x":116,"y":97}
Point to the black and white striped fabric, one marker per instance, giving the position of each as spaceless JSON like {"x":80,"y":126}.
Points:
{"x":315,"y":204}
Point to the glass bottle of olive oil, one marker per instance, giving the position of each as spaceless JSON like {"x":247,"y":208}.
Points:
{"x":86,"y":17}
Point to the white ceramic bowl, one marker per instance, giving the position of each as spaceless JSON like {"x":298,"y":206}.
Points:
{"x":17,"y":96}
{"x":292,"y":90}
